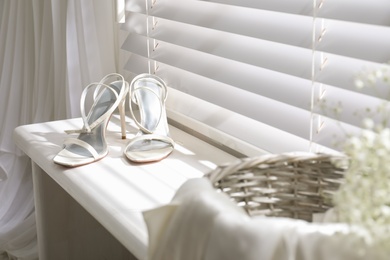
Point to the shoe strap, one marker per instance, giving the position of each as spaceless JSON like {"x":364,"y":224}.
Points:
{"x":160,"y":96}
{"x":87,"y":146}
{"x":152,"y":137}
{"x":149,"y":77}
{"x":87,"y":128}
{"x":139,"y":124}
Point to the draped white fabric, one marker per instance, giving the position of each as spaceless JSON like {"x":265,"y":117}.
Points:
{"x":49,"y":50}
{"x":201,"y":223}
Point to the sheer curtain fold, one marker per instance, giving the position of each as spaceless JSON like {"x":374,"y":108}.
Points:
{"x":90,"y":41}
{"x":49,"y":51}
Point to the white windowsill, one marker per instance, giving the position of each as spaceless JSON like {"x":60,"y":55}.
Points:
{"x":113,"y":190}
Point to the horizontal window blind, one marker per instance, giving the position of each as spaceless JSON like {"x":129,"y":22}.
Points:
{"x":269,"y":73}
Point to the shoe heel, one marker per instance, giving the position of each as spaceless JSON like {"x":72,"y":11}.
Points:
{"x":122,"y":117}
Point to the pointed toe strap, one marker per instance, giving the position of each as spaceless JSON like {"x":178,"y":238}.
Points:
{"x":87,"y":146}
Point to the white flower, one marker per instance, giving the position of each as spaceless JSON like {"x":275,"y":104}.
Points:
{"x":359,"y":83}
{"x":371,"y":78}
{"x":378,"y":74}
{"x":363,"y":199}
{"x":368,"y":123}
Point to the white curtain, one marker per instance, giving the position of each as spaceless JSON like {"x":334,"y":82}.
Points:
{"x":49,"y":50}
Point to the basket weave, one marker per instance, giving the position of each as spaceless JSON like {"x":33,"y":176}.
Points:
{"x":285,"y":185}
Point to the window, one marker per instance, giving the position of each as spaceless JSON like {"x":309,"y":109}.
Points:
{"x":267,"y":73}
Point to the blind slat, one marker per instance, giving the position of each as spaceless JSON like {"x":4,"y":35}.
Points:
{"x":286,"y":65}
{"x":179,"y":104}
{"x":256,"y":107}
{"x":287,"y":28}
{"x":374,"y":12}
{"x":257,"y":52}
{"x":359,"y":41}
{"x":268,"y":83}
{"x":301,"y":7}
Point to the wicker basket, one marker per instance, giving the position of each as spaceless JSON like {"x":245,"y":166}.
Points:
{"x":293,"y":185}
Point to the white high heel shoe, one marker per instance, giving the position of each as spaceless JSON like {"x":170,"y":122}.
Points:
{"x":91,"y":145}
{"x":152,"y":143}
